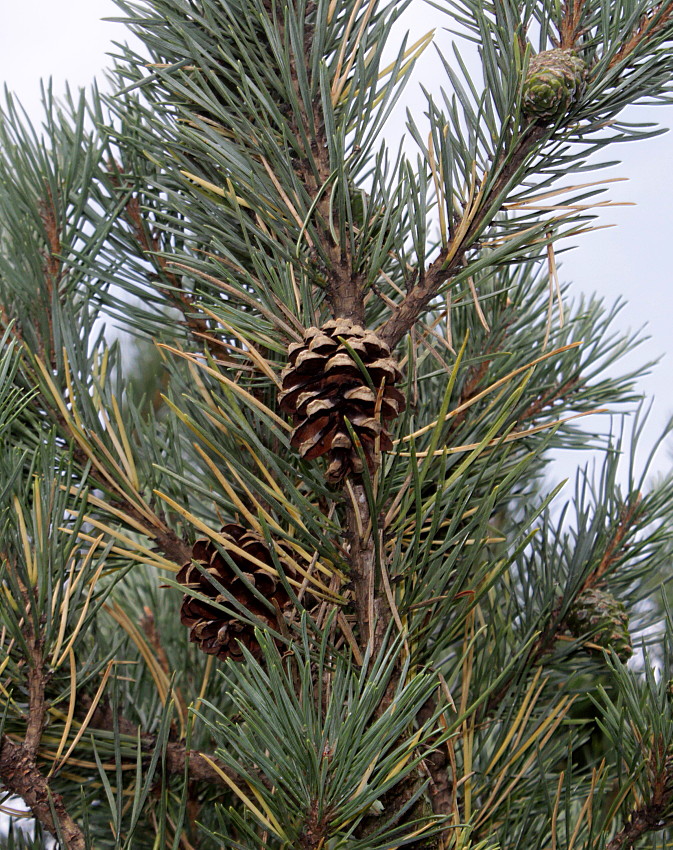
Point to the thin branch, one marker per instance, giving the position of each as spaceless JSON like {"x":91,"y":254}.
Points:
{"x":152,"y":248}
{"x":615,"y":547}
{"x":36,"y":675}
{"x":652,"y":816}
{"x":36,"y":700}
{"x":345,"y":295}
{"x":650,"y":23}
{"x":442,"y":791}
{"x":549,"y":398}
{"x":174,"y":548}
{"x":362,"y":558}
{"x":18,"y":762}
{"x":177,"y":755}
{"x":570,"y":27}
{"x":171,"y":545}
{"x":628,"y":514}
{"x":53,"y":267}
{"x":344,"y":289}
{"x":149,"y":627}
{"x":451,"y":259}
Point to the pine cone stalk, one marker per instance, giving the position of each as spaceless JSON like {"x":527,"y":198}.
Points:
{"x":341,"y":372}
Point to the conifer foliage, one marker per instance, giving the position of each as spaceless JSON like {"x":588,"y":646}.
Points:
{"x":305,"y":585}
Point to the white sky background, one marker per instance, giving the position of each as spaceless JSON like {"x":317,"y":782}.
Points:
{"x":66,"y":39}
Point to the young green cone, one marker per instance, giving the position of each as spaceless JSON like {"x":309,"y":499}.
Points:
{"x":602,"y":620}
{"x":554,"y":82}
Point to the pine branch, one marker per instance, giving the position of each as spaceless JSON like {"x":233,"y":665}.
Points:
{"x":451,"y":259}
{"x":442,"y":788}
{"x":36,"y":679}
{"x":570,"y":27}
{"x":640,"y":822}
{"x":649,"y":25}
{"x":150,"y":245}
{"x":54,"y":275}
{"x":201,"y":767}
{"x":648,"y":818}
{"x":344,"y":290}
{"x":345,"y":293}
{"x":173,"y":547}
{"x":630,"y":518}
{"x":21,"y":777}
{"x":53,"y":264}
{"x":18,"y":762}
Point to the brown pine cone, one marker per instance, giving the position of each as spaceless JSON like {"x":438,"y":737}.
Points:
{"x":216,"y":632}
{"x":323,"y":385}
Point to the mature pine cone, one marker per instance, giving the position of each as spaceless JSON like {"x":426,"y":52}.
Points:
{"x":555,"y":80}
{"x":323,"y":385}
{"x":603,"y":620}
{"x":218,"y":633}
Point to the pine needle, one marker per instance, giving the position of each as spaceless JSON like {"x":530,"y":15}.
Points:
{"x":438,"y":181}
{"x":241,"y":295}
{"x":477,"y":305}
{"x":87,"y":719}
{"x":343,"y":68}
{"x":270,"y":823}
{"x":508,"y":438}
{"x":499,"y":383}
{"x":232,"y":385}
{"x":56,"y":659}
{"x":72,"y":702}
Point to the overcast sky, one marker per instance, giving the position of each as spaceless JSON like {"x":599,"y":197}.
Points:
{"x":67,"y":41}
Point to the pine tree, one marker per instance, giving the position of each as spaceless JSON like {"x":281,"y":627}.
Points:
{"x":297,"y":580}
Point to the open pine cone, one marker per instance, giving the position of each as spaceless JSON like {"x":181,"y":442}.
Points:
{"x":323,"y":385}
{"x":555,"y":80}
{"x":218,"y":633}
{"x":603,"y":620}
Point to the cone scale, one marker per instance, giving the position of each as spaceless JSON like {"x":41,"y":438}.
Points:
{"x":216,"y":632}
{"x":341,"y":372}
{"x":602,"y":620}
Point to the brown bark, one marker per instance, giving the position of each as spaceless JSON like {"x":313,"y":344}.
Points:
{"x":442,"y":269}
{"x":570,"y":27}
{"x":648,"y":818}
{"x":362,"y":558}
{"x":177,"y":755}
{"x":20,"y":776}
{"x":315,"y":829}
{"x":641,"y":822}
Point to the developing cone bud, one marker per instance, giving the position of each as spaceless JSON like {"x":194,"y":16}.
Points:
{"x":602,"y":620}
{"x":324,"y":385}
{"x":555,"y":80}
